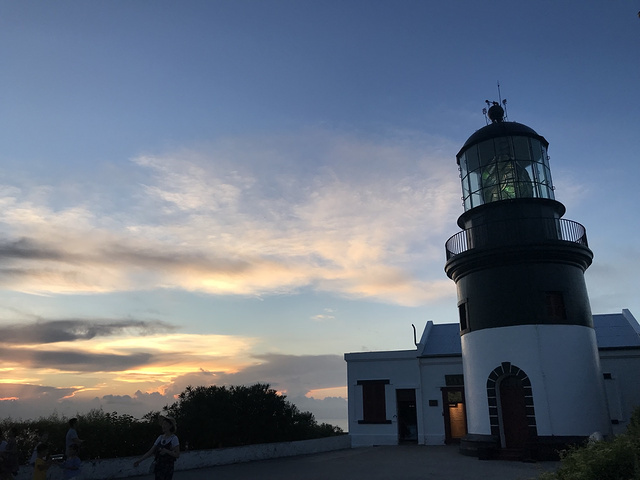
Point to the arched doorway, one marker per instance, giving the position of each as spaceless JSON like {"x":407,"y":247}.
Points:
{"x":513,"y":413}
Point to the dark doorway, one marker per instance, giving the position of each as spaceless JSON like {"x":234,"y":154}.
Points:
{"x":455,"y":414}
{"x":513,"y":412}
{"x":407,"y":416}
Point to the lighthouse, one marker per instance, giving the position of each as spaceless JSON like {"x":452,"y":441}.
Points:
{"x":532,"y":378}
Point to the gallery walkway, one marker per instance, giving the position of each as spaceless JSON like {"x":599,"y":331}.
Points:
{"x":405,"y":462}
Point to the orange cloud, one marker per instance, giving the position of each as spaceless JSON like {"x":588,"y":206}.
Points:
{"x":322,"y":393}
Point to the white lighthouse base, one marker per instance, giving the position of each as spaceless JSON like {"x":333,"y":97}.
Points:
{"x":557,"y":370}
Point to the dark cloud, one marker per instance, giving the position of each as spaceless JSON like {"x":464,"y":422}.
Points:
{"x":149,"y":401}
{"x":26,"y":248}
{"x":165,"y":259}
{"x":70,"y":330}
{"x":331,"y":410}
{"x":118,"y":399}
{"x":297,"y":374}
{"x":111,"y":253}
{"x":75,"y":361}
{"x":27,"y":392}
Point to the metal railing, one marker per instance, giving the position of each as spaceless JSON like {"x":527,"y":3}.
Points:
{"x":516,"y":231}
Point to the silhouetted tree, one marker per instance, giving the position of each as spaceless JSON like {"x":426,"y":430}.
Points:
{"x":212,"y":417}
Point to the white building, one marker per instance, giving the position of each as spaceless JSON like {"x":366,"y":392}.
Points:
{"x":419,"y":395}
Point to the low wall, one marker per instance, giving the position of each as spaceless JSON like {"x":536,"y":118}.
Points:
{"x":123,"y":467}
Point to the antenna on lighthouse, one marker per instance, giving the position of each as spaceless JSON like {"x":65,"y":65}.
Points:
{"x":495,"y":111}
{"x":502,"y":102}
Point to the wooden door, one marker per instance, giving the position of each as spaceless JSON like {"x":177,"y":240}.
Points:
{"x":514,"y":413}
{"x":407,"y":416}
{"x":454,"y":413}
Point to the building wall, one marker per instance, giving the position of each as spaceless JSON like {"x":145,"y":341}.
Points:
{"x":621,"y":368}
{"x":431,"y":431}
{"x":401,"y":370}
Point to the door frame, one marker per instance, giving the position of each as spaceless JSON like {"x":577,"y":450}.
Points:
{"x":448,"y":438}
{"x":403,"y":419}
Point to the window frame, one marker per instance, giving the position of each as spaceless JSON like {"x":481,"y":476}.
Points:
{"x":374,"y":401}
{"x":555,"y":306}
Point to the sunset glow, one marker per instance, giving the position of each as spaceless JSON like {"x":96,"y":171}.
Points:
{"x":225,"y":193}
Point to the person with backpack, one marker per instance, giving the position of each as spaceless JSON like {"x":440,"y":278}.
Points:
{"x":166,"y":450}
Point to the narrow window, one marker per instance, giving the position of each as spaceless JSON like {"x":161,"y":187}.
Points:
{"x":462,"y":311}
{"x":374,"y":408}
{"x":555,"y":305}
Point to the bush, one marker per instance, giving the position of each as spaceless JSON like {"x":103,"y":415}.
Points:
{"x":617,"y":459}
{"x":105,"y":435}
{"x":109,"y":435}
{"x":213,"y":417}
{"x":207,"y":417}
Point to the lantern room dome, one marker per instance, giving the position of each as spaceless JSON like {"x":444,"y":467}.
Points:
{"x":501,"y":129}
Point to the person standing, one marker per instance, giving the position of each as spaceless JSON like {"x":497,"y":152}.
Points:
{"x":72,"y":435}
{"x":166,"y":450}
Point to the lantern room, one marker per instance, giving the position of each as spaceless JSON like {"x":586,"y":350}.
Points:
{"x":503,"y":161}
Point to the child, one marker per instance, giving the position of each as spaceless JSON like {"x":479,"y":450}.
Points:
{"x":71,"y":466}
{"x":43,"y":436}
{"x":42,"y":464}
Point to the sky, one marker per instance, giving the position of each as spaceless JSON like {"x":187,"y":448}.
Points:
{"x":231,"y":192}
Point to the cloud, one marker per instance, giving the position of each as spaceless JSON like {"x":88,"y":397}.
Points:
{"x":332,"y":410}
{"x":327,"y":315}
{"x":75,"y":361}
{"x":357,"y":217}
{"x":294,"y":374}
{"x":27,"y":392}
{"x":53,"y":331}
{"x":120,"y":352}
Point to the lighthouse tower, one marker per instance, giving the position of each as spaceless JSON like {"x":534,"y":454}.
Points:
{"x":531,"y":367}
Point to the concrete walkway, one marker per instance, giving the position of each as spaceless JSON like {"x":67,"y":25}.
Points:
{"x":405,"y":462}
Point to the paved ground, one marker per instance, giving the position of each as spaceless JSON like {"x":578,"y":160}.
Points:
{"x":405,"y":462}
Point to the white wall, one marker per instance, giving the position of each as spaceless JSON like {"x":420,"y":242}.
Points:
{"x":432,"y":378}
{"x":401,"y":369}
{"x":623,"y":389}
{"x":562,"y":363}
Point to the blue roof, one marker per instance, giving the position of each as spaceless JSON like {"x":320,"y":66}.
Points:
{"x":617,"y":330}
{"x":441,"y":340}
{"x":613,"y":330}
